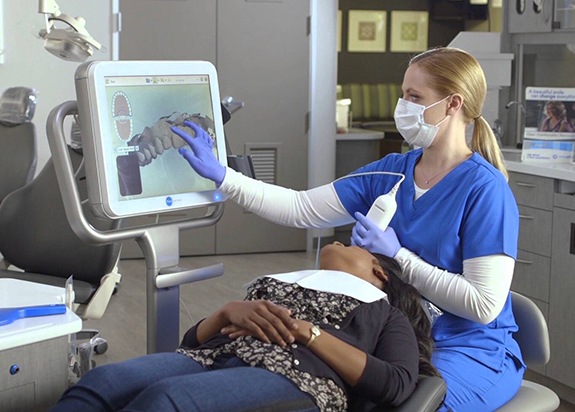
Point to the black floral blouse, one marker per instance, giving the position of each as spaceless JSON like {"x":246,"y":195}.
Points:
{"x":306,"y":304}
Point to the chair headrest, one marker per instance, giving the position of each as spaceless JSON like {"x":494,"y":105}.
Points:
{"x":17,"y":105}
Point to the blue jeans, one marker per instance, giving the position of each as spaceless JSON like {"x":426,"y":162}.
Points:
{"x":173,"y":382}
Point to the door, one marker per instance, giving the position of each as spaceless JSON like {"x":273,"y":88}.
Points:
{"x":263,"y":60}
{"x":170,"y":30}
{"x":261,"y":51}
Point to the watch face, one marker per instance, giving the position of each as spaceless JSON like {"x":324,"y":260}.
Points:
{"x":315,"y":332}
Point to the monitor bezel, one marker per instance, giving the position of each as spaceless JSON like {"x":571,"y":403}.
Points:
{"x":103,"y":190}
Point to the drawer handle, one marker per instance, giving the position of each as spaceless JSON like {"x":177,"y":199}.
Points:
{"x":525,"y":262}
{"x":525,"y":184}
{"x":526,"y":217}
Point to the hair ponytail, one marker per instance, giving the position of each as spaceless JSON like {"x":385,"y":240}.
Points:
{"x":485,"y":143}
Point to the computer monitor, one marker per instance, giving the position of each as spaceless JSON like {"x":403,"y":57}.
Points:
{"x":126,"y":109}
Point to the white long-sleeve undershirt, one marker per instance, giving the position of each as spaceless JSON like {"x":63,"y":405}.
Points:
{"x":478,"y":294}
{"x":315,"y":208}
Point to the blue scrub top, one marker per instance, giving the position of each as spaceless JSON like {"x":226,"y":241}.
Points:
{"x":470,"y":213}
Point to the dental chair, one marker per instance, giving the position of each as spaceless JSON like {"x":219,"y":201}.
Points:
{"x":40,"y":246}
{"x":427,"y":397}
{"x":533,"y":339}
{"x":17,"y":139}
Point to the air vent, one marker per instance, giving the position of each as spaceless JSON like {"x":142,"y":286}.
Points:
{"x":264,"y":158}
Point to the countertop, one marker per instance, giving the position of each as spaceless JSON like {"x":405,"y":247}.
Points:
{"x":16,"y":293}
{"x":560,"y":171}
{"x":360,"y":134}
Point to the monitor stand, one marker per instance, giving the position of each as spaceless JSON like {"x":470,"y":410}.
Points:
{"x":159,"y":243}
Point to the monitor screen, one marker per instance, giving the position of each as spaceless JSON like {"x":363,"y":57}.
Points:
{"x":126,"y":110}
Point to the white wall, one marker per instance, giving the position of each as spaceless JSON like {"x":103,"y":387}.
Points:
{"x":26,"y":63}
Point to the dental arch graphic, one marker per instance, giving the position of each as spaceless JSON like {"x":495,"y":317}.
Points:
{"x":122,"y":114}
{"x":156,"y":139}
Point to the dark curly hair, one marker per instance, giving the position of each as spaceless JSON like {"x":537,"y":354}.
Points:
{"x":406,"y":298}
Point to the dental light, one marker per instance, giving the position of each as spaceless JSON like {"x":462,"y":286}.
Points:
{"x":73,"y":42}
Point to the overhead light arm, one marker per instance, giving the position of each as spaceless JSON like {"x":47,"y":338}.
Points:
{"x":48,"y":7}
{"x":74,"y":42}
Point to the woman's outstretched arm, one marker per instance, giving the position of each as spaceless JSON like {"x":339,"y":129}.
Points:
{"x":319,"y":207}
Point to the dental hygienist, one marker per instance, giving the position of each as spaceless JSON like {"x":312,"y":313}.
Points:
{"x":455,"y":230}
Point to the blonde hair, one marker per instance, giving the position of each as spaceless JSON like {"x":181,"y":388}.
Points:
{"x":452,"y":70}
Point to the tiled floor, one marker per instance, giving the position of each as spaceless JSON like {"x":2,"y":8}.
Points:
{"x":124,"y":326}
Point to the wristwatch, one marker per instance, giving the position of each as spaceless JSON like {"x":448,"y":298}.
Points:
{"x":315,"y":332}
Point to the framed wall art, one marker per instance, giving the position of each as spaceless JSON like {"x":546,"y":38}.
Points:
{"x":367,"y":31}
{"x":409,"y":31}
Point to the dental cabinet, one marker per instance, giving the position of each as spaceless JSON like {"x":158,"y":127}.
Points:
{"x":34,"y":350}
{"x":33,"y":376}
{"x":545,"y":267}
{"x":540,"y":15}
{"x":543,"y":45}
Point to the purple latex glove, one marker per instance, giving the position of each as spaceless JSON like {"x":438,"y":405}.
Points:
{"x":201,"y":157}
{"x":368,"y":235}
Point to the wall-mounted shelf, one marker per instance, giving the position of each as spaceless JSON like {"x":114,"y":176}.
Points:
{"x":555,"y":37}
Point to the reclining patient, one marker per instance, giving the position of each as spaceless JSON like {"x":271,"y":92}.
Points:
{"x":327,"y":340}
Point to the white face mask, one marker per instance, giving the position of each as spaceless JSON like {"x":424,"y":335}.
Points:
{"x":411,"y":125}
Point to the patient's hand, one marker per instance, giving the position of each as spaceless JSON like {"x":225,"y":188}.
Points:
{"x":262,"y":319}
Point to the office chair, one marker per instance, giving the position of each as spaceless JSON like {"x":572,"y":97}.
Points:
{"x":17,"y":136}
{"x":38,"y":240}
{"x":533,"y":339}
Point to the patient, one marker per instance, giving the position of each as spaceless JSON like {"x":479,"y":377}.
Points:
{"x":367,"y":350}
